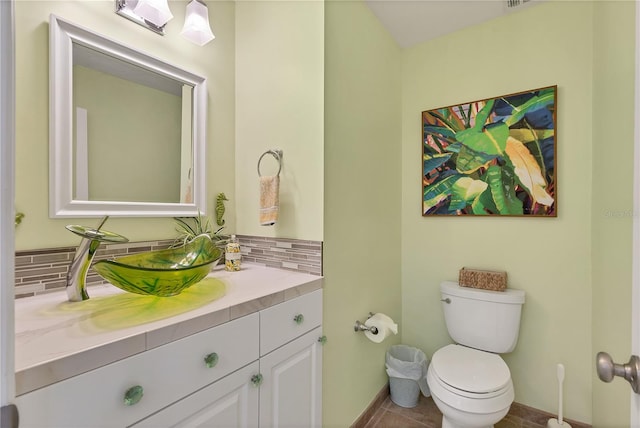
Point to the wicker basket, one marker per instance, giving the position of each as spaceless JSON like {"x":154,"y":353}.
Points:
{"x":485,"y":279}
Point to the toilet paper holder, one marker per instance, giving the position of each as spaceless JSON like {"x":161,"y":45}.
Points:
{"x":361,"y":327}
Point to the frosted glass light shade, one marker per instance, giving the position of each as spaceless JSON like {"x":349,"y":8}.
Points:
{"x":155,"y":11}
{"x":196,"y":24}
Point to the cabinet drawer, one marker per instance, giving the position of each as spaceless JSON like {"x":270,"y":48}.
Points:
{"x":166,"y":374}
{"x":282,"y":323}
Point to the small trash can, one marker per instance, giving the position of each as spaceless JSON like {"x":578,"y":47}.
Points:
{"x":407,"y":371}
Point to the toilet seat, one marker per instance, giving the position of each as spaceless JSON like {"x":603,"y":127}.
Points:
{"x":464,"y":401}
{"x":455,"y":371}
{"x":470,"y":372}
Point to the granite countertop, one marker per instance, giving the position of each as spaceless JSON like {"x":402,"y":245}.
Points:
{"x":57,"y":339}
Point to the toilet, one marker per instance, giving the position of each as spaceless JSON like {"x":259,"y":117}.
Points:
{"x":469,"y":382}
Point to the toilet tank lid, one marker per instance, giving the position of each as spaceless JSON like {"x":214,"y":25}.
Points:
{"x":509,"y":295}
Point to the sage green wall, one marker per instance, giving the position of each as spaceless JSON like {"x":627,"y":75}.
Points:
{"x":549,"y":258}
{"x":279,"y":104}
{"x":215,"y":61}
{"x":575,"y":268}
{"x":612,"y":205}
{"x":362,"y":204}
{"x":151,"y":161}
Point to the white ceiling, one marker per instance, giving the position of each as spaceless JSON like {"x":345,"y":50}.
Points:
{"x":413,"y":21}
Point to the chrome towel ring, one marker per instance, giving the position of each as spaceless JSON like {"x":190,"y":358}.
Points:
{"x":276,"y":153}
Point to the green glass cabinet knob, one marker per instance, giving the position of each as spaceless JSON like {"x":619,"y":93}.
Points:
{"x":256,"y":380}
{"x":133,"y":395}
{"x":211,"y":360}
{"x":298,"y":319}
{"x":322,"y":340}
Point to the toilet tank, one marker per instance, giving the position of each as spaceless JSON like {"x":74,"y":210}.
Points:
{"x":482,"y":319}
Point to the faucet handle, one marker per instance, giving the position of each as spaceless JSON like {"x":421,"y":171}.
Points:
{"x":95,"y":234}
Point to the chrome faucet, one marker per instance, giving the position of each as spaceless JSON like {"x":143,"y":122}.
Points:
{"x":77,"y":274}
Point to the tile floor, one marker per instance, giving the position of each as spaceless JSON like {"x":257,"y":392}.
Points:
{"x":426,"y":414}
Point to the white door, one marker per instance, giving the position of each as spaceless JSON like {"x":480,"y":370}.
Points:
{"x":631,"y":370}
{"x":7,"y":144}
{"x":291,"y":392}
{"x":606,"y":368}
{"x":635,"y":311}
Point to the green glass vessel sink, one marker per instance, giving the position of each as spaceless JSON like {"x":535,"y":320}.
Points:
{"x":162,"y":273}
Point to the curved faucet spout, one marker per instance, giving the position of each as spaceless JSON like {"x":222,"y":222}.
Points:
{"x":77,"y":274}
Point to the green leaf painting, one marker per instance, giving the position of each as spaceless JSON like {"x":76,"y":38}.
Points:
{"x":491,"y":157}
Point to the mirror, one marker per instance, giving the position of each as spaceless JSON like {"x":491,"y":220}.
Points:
{"x":127,"y":130}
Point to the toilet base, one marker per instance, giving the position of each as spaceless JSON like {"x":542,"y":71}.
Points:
{"x":455,"y":418}
{"x":446,"y":423}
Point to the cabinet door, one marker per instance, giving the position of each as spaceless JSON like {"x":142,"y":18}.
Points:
{"x":230,"y":402}
{"x":291,"y":392}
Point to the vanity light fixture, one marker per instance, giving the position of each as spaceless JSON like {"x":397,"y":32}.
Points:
{"x":196,"y":24}
{"x":155,"y":11}
{"x":126,"y":9}
{"x":154,"y":14}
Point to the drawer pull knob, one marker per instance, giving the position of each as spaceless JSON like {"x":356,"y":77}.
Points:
{"x":256,"y":380}
{"x":211,"y":360}
{"x":298,"y":319}
{"x":133,"y":395}
{"x":322,"y":340}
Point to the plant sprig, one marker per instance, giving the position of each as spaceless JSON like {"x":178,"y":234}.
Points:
{"x":190,"y":227}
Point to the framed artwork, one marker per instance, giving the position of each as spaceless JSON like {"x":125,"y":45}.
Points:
{"x":491,"y":157}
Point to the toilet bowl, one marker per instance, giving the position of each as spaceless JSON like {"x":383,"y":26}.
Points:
{"x":472,"y":388}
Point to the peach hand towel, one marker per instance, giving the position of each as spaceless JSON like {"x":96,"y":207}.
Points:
{"x":269,"y":199}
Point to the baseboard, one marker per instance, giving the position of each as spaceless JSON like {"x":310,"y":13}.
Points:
{"x":539,"y":417}
{"x":373,"y":407}
{"x":525,"y":413}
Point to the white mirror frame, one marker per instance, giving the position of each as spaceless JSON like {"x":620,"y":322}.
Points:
{"x":62,"y":35}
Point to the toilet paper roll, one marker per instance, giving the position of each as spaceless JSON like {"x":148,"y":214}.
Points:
{"x":384,"y":325}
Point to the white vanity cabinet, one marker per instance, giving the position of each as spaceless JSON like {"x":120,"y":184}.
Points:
{"x":281,"y":389}
{"x":263,"y":369}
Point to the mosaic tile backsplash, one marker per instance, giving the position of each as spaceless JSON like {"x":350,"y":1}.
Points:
{"x":294,"y":254}
{"x":43,"y":271}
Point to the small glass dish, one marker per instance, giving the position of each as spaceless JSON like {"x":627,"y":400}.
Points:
{"x":162,"y":273}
